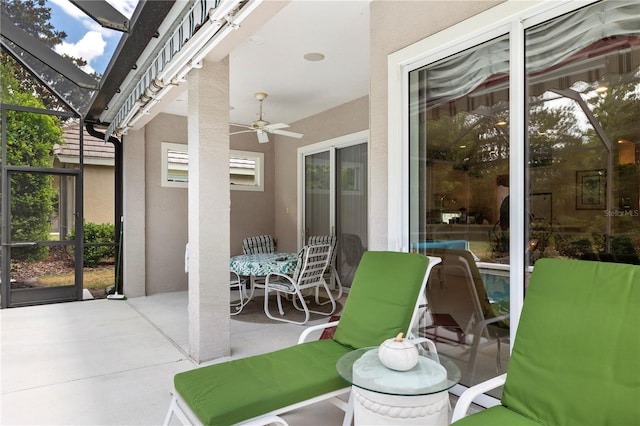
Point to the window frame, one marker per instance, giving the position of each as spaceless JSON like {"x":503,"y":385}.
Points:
{"x":257,"y":156}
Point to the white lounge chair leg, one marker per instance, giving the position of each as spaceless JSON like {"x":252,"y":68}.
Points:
{"x":348,"y":413}
{"x":174,"y":408}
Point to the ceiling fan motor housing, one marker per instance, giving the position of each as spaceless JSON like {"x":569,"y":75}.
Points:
{"x":259,"y":124}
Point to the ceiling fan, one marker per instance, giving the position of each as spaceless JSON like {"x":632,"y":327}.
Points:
{"x":263,"y":127}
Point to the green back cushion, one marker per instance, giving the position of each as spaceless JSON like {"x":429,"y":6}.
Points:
{"x":576,"y":357}
{"x":382,"y":298}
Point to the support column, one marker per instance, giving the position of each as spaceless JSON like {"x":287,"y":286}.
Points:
{"x":134,"y":263}
{"x":209,"y":211}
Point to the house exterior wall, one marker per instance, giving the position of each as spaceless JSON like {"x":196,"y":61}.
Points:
{"x":99,"y":193}
{"x":166,"y":210}
{"x":252,"y":212}
{"x":343,"y":120}
{"x":417,"y":19}
{"x":166,"y":225}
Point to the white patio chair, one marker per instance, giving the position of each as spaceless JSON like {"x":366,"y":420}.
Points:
{"x":312,"y":262}
{"x":256,"y":245}
{"x":239,"y":284}
{"x":259,"y":244}
{"x":330,"y":274}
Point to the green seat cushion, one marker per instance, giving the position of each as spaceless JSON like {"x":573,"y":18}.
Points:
{"x":495,"y":416}
{"x":576,"y":356}
{"x":233,"y":391}
{"x":382,"y":298}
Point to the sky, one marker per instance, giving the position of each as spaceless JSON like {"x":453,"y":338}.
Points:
{"x":86,"y":38}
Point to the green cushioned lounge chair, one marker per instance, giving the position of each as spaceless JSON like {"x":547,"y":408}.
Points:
{"x":576,"y":355}
{"x":383,"y":301}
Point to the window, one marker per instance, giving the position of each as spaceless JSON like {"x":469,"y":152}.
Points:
{"x":245,"y":168}
{"x":459,"y":149}
{"x":583,"y":140}
{"x":521,"y":142}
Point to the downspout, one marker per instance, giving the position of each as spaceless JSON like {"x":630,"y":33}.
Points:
{"x":119,"y":187}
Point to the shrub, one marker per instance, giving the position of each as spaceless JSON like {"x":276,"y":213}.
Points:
{"x":94,"y":233}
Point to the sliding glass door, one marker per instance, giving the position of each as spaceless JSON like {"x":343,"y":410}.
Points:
{"x":523,"y":143}
{"x":334,"y":201}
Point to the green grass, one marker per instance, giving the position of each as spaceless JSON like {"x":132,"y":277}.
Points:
{"x":94,"y":279}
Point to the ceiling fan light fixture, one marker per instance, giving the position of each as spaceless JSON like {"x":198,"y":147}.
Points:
{"x":263,"y":127}
{"x":260,"y":96}
{"x":314,"y":56}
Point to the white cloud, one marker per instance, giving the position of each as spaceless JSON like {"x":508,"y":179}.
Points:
{"x":126,"y":7}
{"x":69,"y":8}
{"x":91,"y":36}
{"x":89,"y":47}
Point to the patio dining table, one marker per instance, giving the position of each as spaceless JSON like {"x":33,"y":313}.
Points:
{"x":262,"y":264}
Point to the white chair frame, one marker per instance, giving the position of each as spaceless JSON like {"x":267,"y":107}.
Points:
{"x":309,"y":275}
{"x":187,"y":417}
{"x":237,"y":283}
{"x":331,"y":272}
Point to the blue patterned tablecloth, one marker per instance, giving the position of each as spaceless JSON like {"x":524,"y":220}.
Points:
{"x":264,"y":263}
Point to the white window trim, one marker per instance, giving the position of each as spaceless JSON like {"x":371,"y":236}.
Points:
{"x":164,"y":178}
{"x":511,"y":17}
{"x":259,"y":170}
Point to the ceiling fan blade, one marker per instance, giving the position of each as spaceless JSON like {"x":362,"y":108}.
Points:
{"x":262,"y":136}
{"x":286,"y":133}
{"x":240,"y":125}
{"x":276,"y":126}
{"x":242,"y":131}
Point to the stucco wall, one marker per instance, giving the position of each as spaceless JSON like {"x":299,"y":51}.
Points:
{"x":166,"y":218}
{"x":98,"y":193}
{"x":395,"y":25}
{"x":343,"y":120}
{"x":252,"y":212}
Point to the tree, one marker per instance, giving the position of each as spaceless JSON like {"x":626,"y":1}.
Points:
{"x":30,"y":141}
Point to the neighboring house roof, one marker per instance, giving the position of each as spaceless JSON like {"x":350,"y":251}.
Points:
{"x":96,"y":151}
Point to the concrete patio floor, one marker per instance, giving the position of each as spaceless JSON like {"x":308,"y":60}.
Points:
{"x":112,"y":362}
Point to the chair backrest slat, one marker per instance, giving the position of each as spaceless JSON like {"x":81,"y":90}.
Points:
{"x":314,"y":261}
{"x":258,"y":244}
{"x":326,"y":239}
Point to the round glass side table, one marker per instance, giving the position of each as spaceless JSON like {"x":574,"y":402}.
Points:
{"x":382,"y":396}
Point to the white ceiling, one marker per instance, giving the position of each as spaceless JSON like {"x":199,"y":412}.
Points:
{"x":298,"y":88}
